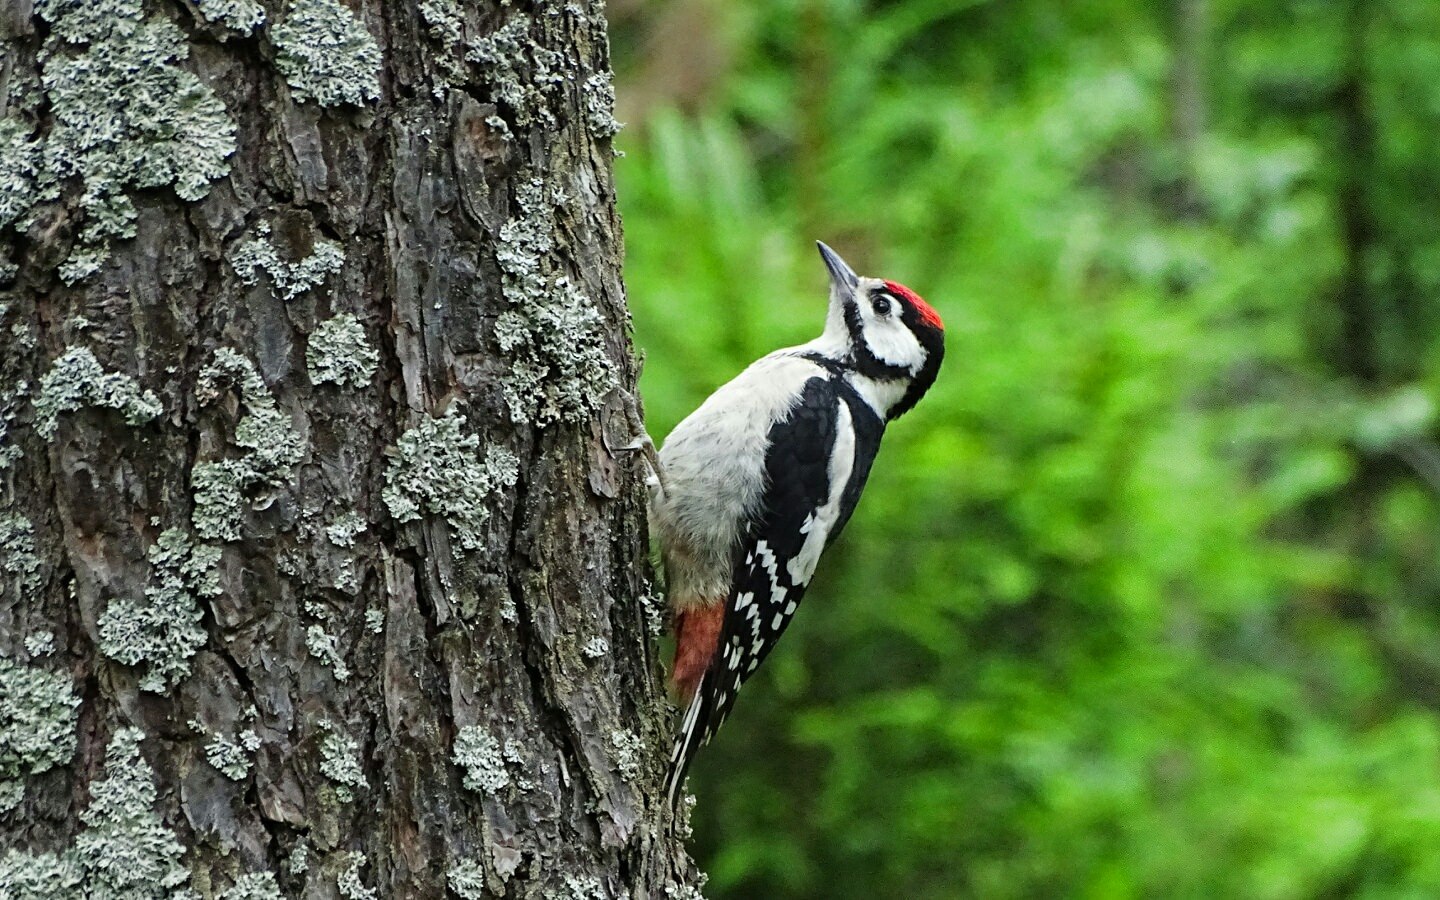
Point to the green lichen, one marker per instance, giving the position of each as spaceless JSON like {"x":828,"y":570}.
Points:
{"x":19,"y":167}
{"x":240,"y":15}
{"x":520,"y":73}
{"x":163,"y":631}
{"x":340,"y":762}
{"x":560,"y":370}
{"x":76,"y":380}
{"x":288,"y":279}
{"x":127,"y":853}
{"x":17,"y":553}
{"x":221,"y":486}
{"x":124,"y":118}
{"x":595,"y":648}
{"x":9,"y":453}
{"x":24,"y":337}
{"x":39,"y":876}
{"x":446,"y":20}
{"x":326,"y":55}
{"x":299,"y":860}
{"x":600,"y":105}
{"x":514,"y":754}
{"x":656,"y":610}
{"x":339,"y":351}
{"x":348,"y":881}
{"x":37,"y":725}
{"x":40,"y":643}
{"x":326,"y":648}
{"x":584,"y":887}
{"x":255,"y":886}
{"x":343,"y":528}
{"x":233,"y":758}
{"x":347,"y":577}
{"x":375,"y":620}
{"x":467,"y":880}
{"x":628,"y":750}
{"x":436,"y":470}
{"x":478,"y":753}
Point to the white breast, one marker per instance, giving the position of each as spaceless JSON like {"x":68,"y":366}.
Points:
{"x":714,"y":464}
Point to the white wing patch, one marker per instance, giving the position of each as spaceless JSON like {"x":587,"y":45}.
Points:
{"x":819,"y":523}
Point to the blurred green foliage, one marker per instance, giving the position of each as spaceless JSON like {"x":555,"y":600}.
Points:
{"x":1141,"y":601}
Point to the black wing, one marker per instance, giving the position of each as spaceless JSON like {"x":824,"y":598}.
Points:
{"x":830,"y":435}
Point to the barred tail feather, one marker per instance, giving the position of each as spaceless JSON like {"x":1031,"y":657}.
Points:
{"x":693,"y":733}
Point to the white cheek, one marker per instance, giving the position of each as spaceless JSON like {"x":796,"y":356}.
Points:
{"x":890,"y":341}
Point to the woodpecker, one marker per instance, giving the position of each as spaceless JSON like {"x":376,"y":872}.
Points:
{"x":763,"y":476}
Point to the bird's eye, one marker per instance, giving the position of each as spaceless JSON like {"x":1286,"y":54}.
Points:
{"x":881,"y":305}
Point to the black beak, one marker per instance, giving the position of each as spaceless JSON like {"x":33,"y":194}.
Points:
{"x":841,"y":275}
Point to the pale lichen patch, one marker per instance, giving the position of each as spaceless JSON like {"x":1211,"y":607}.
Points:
{"x":584,"y":887}
{"x":326,"y":648}
{"x":37,"y":725}
{"x":220,"y":486}
{"x":340,"y":762}
{"x":9,"y":452}
{"x":478,"y":753}
{"x":467,"y":879}
{"x":436,"y":470}
{"x":127,"y":853}
{"x":343,"y":529}
{"x":349,"y":883}
{"x":163,"y":631}
{"x":233,"y":758}
{"x":39,"y":876}
{"x":446,"y":21}
{"x":288,"y":278}
{"x":17,"y":553}
{"x":299,"y":860}
{"x":326,"y":55}
{"x":520,"y":72}
{"x":339,"y":352}
{"x":254,"y":886}
{"x":600,"y":105}
{"x":560,"y":371}
{"x":124,"y":117}
{"x":653,"y":604}
{"x":40,"y":643}
{"x":19,"y":166}
{"x":243,"y":16}
{"x":77,"y":380}
{"x":628,"y":750}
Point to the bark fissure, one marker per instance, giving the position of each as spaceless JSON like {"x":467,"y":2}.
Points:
{"x":472,"y":193}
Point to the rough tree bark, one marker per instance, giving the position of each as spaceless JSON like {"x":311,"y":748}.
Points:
{"x":319,"y":579}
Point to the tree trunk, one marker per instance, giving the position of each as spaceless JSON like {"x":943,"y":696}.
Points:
{"x":319,"y":579}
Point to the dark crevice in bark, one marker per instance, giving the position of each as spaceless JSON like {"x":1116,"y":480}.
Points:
{"x":420,"y":223}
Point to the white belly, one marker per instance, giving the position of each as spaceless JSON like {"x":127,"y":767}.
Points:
{"x":715,"y":474}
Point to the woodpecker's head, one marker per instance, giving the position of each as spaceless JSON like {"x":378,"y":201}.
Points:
{"x":884,"y":331}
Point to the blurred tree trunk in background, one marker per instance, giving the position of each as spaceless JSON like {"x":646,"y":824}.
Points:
{"x":316,"y":576}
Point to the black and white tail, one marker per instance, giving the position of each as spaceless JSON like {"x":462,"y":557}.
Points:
{"x":694,"y":732}
{"x":713,"y":700}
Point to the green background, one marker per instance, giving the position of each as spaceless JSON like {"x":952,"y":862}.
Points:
{"x":1141,"y":601}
